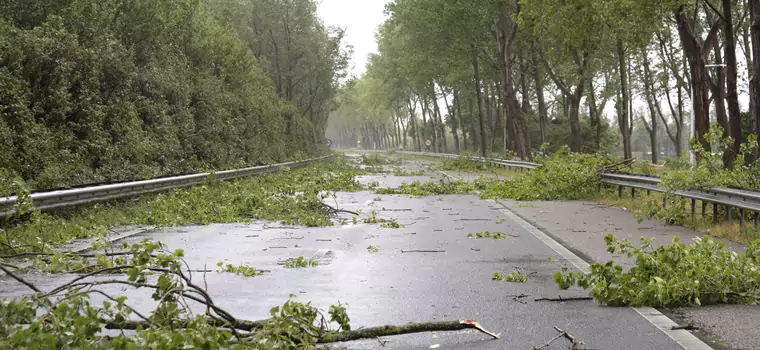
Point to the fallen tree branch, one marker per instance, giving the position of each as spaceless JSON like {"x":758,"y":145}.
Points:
{"x":384,"y":331}
{"x":243,"y":325}
{"x":560,"y":298}
{"x":331,"y":210}
{"x":19,"y":279}
{"x":422,"y":251}
{"x":562,"y":334}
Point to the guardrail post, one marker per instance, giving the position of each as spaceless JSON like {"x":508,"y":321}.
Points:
{"x":633,"y":192}
{"x":728,"y":214}
{"x":741,"y":217}
{"x":704,"y":208}
{"x":715,"y":212}
{"x":620,"y":192}
{"x":693,"y":208}
{"x":664,"y":201}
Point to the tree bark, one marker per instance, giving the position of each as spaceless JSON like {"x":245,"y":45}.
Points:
{"x":413,"y":120}
{"x":458,"y":106}
{"x":732,"y":96}
{"x":754,"y":9}
{"x":452,"y":121}
{"x":479,"y":96}
{"x":695,"y":52}
{"x":473,"y":135}
{"x":542,"y":114}
{"x":504,"y":33}
{"x":623,"y":120}
{"x":649,"y":93}
{"x":439,"y":122}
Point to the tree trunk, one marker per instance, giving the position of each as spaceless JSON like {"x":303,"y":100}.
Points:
{"x":754,"y":9}
{"x":458,"y":107}
{"x":623,"y":120}
{"x":452,"y":120}
{"x":499,"y":131}
{"x":479,"y":96}
{"x":695,"y":53}
{"x":595,"y":122}
{"x":473,"y":135}
{"x":414,"y":127}
{"x":542,"y":114}
{"x":509,"y":99}
{"x":440,"y":129}
{"x":732,"y":96}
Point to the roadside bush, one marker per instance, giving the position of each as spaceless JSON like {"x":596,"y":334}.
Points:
{"x":562,"y":176}
{"x":94,"y":91}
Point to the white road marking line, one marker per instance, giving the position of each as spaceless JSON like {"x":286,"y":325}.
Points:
{"x":681,"y":336}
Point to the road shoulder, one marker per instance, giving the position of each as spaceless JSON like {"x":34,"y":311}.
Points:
{"x":580,"y":226}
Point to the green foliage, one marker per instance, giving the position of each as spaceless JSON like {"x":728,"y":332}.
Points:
{"x":418,"y":188}
{"x":562,"y":176}
{"x":679,"y":274}
{"x":242,"y":270}
{"x":487,"y":234}
{"x":401,"y":172}
{"x":292,"y":197}
{"x":373,"y":249}
{"x":707,"y":173}
{"x":94,"y":91}
{"x":463,"y":163}
{"x":391,"y":224}
{"x":514,"y":276}
{"x":299,"y":262}
{"x":65,"y":317}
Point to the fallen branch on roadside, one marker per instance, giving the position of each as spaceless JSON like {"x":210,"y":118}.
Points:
{"x":389,"y":330}
{"x":561,"y":299}
{"x":562,"y":334}
{"x":332,"y":210}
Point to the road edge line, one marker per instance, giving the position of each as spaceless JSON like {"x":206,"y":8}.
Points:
{"x":662,"y":322}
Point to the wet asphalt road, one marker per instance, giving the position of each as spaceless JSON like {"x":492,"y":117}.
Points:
{"x":396,"y":287}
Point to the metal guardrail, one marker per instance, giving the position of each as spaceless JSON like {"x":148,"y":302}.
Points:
{"x":99,"y":193}
{"x":742,"y":199}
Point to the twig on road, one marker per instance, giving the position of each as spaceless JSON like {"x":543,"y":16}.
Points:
{"x":422,"y":251}
{"x":562,"y":334}
{"x":561,"y":299}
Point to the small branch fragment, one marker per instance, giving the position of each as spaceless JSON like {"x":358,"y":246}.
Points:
{"x":561,"y":299}
{"x":422,"y":251}
{"x":562,"y":334}
{"x":384,"y":331}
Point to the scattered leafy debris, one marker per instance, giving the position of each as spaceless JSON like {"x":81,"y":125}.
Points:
{"x":293,"y":197}
{"x":299,"y":262}
{"x":242,"y":270}
{"x":563,"y":176}
{"x":401,"y":172}
{"x":487,"y":234}
{"x":514,"y":276}
{"x":418,"y":188}
{"x":679,"y":274}
{"x":463,"y":163}
{"x":373,"y":249}
{"x":391,"y":224}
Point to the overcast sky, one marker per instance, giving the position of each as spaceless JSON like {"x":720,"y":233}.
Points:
{"x":360,"y":19}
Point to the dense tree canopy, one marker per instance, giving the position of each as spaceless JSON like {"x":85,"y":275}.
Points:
{"x":497,"y":75}
{"x":109,"y":90}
